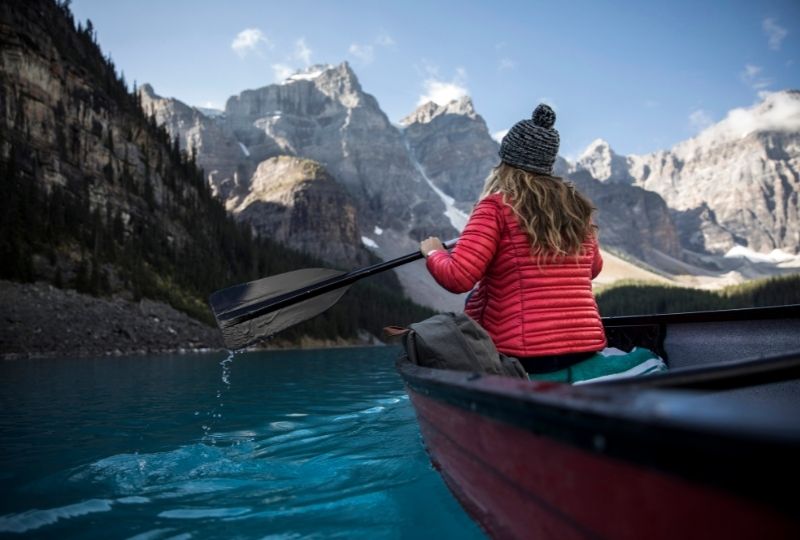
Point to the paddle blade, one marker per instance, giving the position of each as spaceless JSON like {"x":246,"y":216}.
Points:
{"x":241,"y":331}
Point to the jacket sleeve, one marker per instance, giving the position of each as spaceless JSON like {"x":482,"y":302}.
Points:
{"x":597,"y":263}
{"x":459,"y":270}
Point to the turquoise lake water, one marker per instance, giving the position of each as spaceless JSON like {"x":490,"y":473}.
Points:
{"x":277,"y":445}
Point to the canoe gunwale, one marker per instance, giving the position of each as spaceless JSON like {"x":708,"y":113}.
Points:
{"x":788,"y":311}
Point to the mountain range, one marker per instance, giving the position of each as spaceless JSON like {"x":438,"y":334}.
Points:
{"x":723,"y":204}
{"x":97,"y":197}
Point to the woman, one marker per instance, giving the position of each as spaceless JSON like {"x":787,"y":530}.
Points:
{"x":531,"y":248}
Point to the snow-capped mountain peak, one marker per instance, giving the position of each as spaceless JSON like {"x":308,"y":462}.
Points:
{"x":307,"y":74}
{"x":603,"y":163}
{"x":595,"y":147}
{"x":428,"y":111}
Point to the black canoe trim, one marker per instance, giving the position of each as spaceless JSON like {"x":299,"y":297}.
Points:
{"x":625,"y":424}
{"x":788,"y":311}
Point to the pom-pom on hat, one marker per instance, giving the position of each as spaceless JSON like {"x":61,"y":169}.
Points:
{"x":532,"y":144}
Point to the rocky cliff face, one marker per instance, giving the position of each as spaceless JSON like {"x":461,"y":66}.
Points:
{"x":746,"y":169}
{"x":64,"y":131}
{"x":296,"y":202}
{"x":453,"y":145}
{"x":630,"y":218}
{"x":604,"y":164}
{"x":736,"y":183}
{"x":219,"y":154}
{"x":321,"y":114}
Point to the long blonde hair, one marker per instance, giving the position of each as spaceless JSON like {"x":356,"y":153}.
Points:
{"x":556,"y":217}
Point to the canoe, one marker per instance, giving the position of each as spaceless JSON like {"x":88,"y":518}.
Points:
{"x":709,"y":449}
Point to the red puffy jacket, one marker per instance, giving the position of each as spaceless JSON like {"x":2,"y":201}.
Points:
{"x":529,"y":307}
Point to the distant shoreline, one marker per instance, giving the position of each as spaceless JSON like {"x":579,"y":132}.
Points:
{"x":42,"y":321}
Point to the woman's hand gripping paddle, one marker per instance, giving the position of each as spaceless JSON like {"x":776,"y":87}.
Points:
{"x":252,"y":311}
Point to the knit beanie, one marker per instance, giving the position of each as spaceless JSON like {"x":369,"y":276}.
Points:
{"x":532,"y":144}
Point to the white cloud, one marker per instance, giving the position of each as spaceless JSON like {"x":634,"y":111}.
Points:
{"x":302,"y":52}
{"x":498,"y":135}
{"x":779,"y":111}
{"x":700,"y":120}
{"x":506,"y":63}
{"x":365,"y":53}
{"x":764,"y":94}
{"x":443,"y":92}
{"x":651,"y":104}
{"x":249,"y":40}
{"x":751,"y":76}
{"x":282,"y":71}
{"x":775,"y":33}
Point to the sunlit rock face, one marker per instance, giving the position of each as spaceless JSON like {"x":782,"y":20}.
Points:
{"x":296,"y":202}
{"x":321,"y":114}
{"x":735,"y":183}
{"x":604,"y":164}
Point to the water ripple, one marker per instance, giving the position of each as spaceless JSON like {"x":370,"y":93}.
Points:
{"x":33,"y":519}
{"x":287,"y":445}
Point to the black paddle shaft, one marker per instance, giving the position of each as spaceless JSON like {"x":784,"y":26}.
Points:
{"x":247,"y":313}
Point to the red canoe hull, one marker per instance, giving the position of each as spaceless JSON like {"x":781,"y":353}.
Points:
{"x":517,"y":483}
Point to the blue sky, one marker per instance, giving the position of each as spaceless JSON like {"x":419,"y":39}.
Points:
{"x":642,"y":75}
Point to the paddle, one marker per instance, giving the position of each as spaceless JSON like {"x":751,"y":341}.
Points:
{"x":248,"y":312}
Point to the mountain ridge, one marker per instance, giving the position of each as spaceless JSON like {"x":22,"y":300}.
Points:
{"x":736,"y":183}
{"x":442,"y":154}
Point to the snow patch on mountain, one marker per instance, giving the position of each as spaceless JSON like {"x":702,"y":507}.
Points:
{"x":603,"y":163}
{"x":458,"y":219}
{"x":776,"y":256}
{"x":426,"y":112}
{"x":308,"y":74}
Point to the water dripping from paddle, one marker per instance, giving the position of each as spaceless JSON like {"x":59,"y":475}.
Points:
{"x":216,"y":413}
